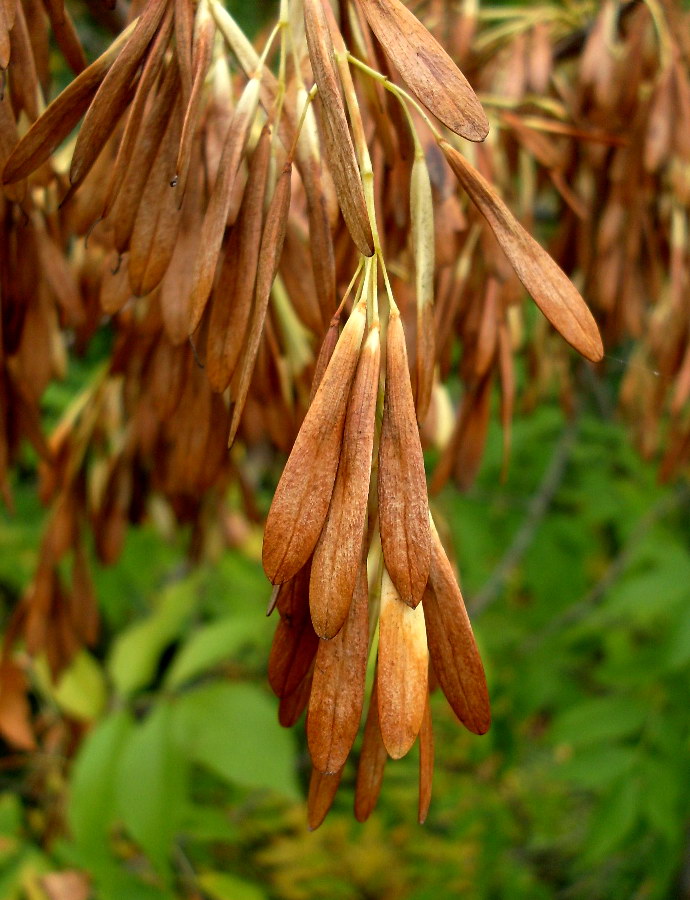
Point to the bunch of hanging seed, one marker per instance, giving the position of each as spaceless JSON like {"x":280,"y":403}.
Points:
{"x":289,"y":243}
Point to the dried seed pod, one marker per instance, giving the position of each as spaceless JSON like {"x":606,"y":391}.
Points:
{"x":452,"y":647}
{"x":157,"y":222}
{"x":426,"y":763}
{"x":372,"y":762}
{"x":403,"y":504}
{"x":15,"y":711}
{"x":272,"y":241}
{"x":301,"y":500}
{"x":337,"y":693}
{"x":295,"y":643}
{"x":65,"y":34}
{"x":202,"y":52}
{"x":328,"y":346}
{"x":403,"y":666}
{"x":48,"y":131}
{"x":217,"y":213}
{"x":5,"y":43}
{"x":113,"y":93}
{"x":146,"y":85}
{"x":184,"y":29}
{"x":24,"y":79}
{"x":423,"y":237}
{"x":127,"y":196}
{"x":551,"y":289}
{"x":177,"y":283}
{"x":338,"y":141}
{"x":426,"y":67}
{"x":322,"y":790}
{"x":232,"y":300}
{"x":334,"y":566}
{"x":292,"y":706}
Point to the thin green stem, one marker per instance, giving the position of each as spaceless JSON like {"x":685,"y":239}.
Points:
{"x":397,"y":91}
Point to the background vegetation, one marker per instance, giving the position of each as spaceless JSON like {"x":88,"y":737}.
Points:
{"x":576,"y":569}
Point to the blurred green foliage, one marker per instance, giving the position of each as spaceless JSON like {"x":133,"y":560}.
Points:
{"x":185,"y":786}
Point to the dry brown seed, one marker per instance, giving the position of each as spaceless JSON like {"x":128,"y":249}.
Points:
{"x":219,"y":204}
{"x":340,"y":152}
{"x":112,"y":95}
{"x":659,"y":132}
{"x":423,"y":237}
{"x":271,"y":248}
{"x":426,"y":763}
{"x":219,"y":311}
{"x":292,"y":706}
{"x":157,"y":221}
{"x":176,"y":286}
{"x":452,"y":647}
{"x":83,"y":604}
{"x":463,"y":453}
{"x":294,"y":644}
{"x":426,"y":67}
{"x":552,"y":290}
{"x":403,"y":504}
{"x":328,"y":345}
{"x":297,"y":277}
{"x":506,"y":370}
{"x":5,"y":44}
{"x":301,"y":500}
{"x":487,"y":336}
{"x":60,"y":278}
{"x":61,"y":116}
{"x":236,"y":299}
{"x":334,"y":567}
{"x":65,"y":35}
{"x":128,"y":196}
{"x":337,"y":693}
{"x":15,"y":712}
{"x":320,"y":238}
{"x":115,"y":290}
{"x":322,"y":790}
{"x":8,"y":141}
{"x":147,"y":82}
{"x":204,"y":32}
{"x":24,"y":78}
{"x":403,"y":666}
{"x":184,"y":29}
{"x":372,"y":762}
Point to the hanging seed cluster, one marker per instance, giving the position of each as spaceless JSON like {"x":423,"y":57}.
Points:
{"x":290,"y":240}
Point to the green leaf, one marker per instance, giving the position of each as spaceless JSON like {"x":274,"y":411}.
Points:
{"x":613,"y":821}
{"x":232,"y":729}
{"x":151,"y":785}
{"x":80,"y":691}
{"x":661,"y":798}
{"x":136,"y":652}
{"x":115,"y":883}
{"x":210,"y":823}
{"x":678,"y":653}
{"x":10,"y":824}
{"x":91,"y":809}
{"x":599,"y":719}
{"x":598,"y":767}
{"x":18,"y":882}
{"x":210,"y":645}
{"x":221,"y":886}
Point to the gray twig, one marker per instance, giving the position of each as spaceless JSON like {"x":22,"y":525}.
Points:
{"x":664,"y":505}
{"x":537,"y":509}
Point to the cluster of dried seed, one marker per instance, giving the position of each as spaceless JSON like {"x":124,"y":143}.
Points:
{"x":357,"y":561}
{"x":226,"y":195}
